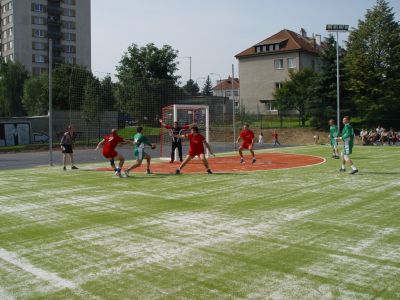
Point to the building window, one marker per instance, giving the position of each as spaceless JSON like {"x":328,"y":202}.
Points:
{"x":291,"y":63}
{"x":39,"y":20}
{"x":67,"y":12}
{"x":269,"y":105}
{"x":68,"y":25}
{"x":38,"y":33}
{"x":38,"y":58}
{"x":278,"y":85}
{"x":37,"y":7}
{"x":227,"y":93}
{"x":69,"y":60}
{"x":271,"y":47}
{"x":9,"y":58}
{"x":235,"y":93}
{"x":6,"y":7}
{"x":7,"y":20}
{"x":278,"y":64}
{"x":69,"y":49}
{"x":276,"y":47}
{"x":313,"y":65}
{"x":68,"y":36}
{"x":8,"y":46}
{"x":69,"y":2}
{"x":39,"y":46}
{"x":7,"y":33}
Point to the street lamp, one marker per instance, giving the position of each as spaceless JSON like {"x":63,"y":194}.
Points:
{"x":337,"y":28}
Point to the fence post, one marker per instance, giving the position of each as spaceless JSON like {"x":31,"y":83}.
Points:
{"x":51,"y":102}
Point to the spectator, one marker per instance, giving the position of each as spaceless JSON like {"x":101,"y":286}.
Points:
{"x":67,"y":145}
{"x":261,"y":138}
{"x":364,"y":136}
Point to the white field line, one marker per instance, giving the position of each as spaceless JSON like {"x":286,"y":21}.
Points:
{"x":25,"y":265}
{"x":4,"y":295}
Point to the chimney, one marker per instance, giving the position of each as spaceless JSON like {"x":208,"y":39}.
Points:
{"x":303,"y":32}
{"x":318,"y":39}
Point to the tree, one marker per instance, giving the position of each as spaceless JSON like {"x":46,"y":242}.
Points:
{"x":147,"y":81}
{"x":68,"y":86}
{"x":373,"y":62}
{"x":12,"y":78}
{"x":92,"y":106}
{"x":107,"y":93}
{"x":207,"y":88}
{"x":296,"y":93}
{"x":191,"y":88}
{"x":322,"y":106}
{"x":36,"y":95}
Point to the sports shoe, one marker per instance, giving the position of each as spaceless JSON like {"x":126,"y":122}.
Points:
{"x":126,"y":172}
{"x":342,"y":170}
{"x":74,"y":168}
{"x":148,"y":171}
{"x":177,"y":172}
{"x":336,"y":157}
{"x":241,"y":160}
{"x":118,"y":173}
{"x":64,"y":168}
{"x":209,"y":171}
{"x":171,"y":161}
{"x":353,"y":172}
{"x":254,"y":160}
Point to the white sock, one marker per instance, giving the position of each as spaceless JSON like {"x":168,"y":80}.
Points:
{"x":343,"y":167}
{"x":353,"y":167}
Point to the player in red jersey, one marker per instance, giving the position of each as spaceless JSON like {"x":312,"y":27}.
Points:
{"x":196,"y":148}
{"x":110,"y":142}
{"x":248,"y":142}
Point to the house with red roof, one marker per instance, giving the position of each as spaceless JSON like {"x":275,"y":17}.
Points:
{"x":265,"y":66}
{"x":225,"y":87}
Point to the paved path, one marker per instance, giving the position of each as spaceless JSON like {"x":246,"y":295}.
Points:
{"x":30,"y":159}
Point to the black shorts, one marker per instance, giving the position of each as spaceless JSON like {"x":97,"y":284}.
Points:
{"x":67,"y":149}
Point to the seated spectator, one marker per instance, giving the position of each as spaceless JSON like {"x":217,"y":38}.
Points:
{"x":373,"y":137}
{"x":364,"y":136}
{"x":396,"y":137}
{"x":379,"y":130}
{"x":390,"y":136}
{"x":384,"y":139}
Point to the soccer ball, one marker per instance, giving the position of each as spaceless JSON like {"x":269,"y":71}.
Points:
{"x":153,"y":146}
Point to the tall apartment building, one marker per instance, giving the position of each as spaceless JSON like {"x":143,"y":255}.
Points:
{"x":27,"y":26}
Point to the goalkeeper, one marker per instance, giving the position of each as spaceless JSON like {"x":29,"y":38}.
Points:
{"x":140,"y":141}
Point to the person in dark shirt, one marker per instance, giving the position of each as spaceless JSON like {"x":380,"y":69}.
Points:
{"x":175,"y":132}
{"x":67,"y":145}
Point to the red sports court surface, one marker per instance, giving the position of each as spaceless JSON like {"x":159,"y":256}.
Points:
{"x":231,"y":164}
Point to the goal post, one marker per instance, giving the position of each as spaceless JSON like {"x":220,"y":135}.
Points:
{"x":184,"y":115}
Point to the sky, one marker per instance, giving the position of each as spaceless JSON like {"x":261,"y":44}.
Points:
{"x":211,"y":32}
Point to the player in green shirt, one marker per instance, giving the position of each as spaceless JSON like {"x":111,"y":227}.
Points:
{"x":348,"y":140}
{"x":140,"y":141}
{"x":333,"y":134}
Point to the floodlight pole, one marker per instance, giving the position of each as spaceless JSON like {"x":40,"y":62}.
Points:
{"x":233,"y":110}
{"x":337,"y":82}
{"x":51,"y":102}
{"x":337,"y":28}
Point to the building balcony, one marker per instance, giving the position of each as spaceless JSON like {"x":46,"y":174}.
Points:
{"x":54,"y":10}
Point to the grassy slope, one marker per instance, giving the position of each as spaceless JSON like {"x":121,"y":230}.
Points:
{"x":308,"y":233}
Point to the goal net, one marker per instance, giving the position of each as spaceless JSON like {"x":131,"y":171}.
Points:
{"x":184,"y":115}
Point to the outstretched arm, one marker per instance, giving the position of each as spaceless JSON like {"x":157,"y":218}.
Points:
{"x":164,"y":125}
{"x":100,"y":144}
{"x":208,"y":147}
